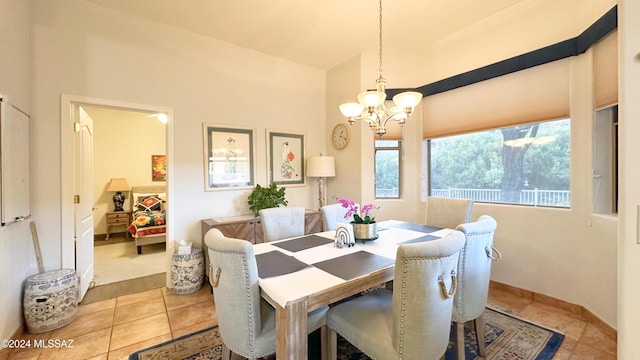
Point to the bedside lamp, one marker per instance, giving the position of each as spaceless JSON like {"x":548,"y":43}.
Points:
{"x":321,"y":167}
{"x":118,"y":185}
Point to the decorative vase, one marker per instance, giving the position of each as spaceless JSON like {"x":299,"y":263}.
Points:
{"x":118,"y":201}
{"x":50,"y":300}
{"x":187,"y":271}
{"x":365,"y":231}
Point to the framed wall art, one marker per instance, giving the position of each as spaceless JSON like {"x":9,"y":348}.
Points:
{"x":228,"y":157}
{"x":158,"y":168}
{"x":285,"y":157}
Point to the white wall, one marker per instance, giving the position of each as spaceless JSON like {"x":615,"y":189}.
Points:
{"x":17,"y":257}
{"x":83,"y":49}
{"x":343,"y":84}
{"x":568,"y":254}
{"x":628,"y":248}
{"x":107,"y":55}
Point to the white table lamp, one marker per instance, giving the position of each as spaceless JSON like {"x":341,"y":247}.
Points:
{"x":118,"y":185}
{"x":321,"y":167}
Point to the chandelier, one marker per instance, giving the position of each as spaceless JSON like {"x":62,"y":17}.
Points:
{"x":371,"y":106}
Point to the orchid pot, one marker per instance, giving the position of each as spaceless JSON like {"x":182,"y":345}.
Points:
{"x":364,"y":231}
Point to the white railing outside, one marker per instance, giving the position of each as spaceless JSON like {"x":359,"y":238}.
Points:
{"x":535,"y":197}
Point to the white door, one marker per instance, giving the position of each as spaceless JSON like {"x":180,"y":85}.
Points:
{"x":83,"y":203}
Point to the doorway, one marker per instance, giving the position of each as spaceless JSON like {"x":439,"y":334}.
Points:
{"x":70,"y":105}
{"x":125,"y":145}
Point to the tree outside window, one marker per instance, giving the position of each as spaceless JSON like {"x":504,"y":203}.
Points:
{"x":387,"y":169}
{"x":525,"y":164}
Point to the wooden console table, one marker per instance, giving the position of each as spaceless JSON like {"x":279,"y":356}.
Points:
{"x":247,"y":227}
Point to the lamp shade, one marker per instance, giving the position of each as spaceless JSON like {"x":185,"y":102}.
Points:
{"x":372,"y":98}
{"x":118,"y":184}
{"x":408,"y":99}
{"x":321,"y":166}
{"x":351,"y":109}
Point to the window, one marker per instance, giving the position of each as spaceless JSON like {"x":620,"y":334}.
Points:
{"x":525,"y":164}
{"x":387,"y":169}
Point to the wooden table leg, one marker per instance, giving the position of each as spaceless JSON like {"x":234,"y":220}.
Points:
{"x":291,"y":331}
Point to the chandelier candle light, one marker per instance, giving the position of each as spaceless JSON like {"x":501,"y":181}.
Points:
{"x":371,"y":106}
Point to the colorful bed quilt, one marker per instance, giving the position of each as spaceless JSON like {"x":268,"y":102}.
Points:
{"x":148,"y":223}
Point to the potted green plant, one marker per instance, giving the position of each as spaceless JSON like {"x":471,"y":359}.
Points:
{"x":266,"y":197}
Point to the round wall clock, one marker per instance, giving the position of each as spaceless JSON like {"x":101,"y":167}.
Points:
{"x":341,"y":136}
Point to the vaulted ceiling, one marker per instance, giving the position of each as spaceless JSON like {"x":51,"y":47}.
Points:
{"x":318,"y":33}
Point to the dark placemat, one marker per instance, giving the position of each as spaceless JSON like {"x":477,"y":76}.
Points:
{"x":352,"y":265}
{"x":415,"y":227}
{"x":275,"y":263}
{"x":303,"y":243}
{"x":420,"y":239}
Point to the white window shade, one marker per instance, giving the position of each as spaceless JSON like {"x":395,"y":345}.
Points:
{"x":530,"y":95}
{"x":605,"y":63}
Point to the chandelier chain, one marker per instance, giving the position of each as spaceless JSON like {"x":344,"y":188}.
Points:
{"x":371,"y":106}
{"x":380,"y":41}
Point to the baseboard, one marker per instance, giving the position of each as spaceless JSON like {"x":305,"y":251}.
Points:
{"x":578,"y":310}
{"x":125,"y":287}
{"x":103,"y":237}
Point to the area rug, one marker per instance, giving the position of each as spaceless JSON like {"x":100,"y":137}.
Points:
{"x":506,"y":337}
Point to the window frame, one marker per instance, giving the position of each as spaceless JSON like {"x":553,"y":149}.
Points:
{"x":427,"y":168}
{"x":398,"y":148}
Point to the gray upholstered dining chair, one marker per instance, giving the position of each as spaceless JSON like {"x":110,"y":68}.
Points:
{"x":282,"y":222}
{"x":474,"y":273}
{"x":447,"y":212}
{"x":412,"y":322}
{"x":332,"y":215}
{"x":247,"y":323}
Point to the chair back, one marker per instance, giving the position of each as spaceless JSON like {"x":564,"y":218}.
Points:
{"x":424,"y":286}
{"x":233,"y":272}
{"x":447,"y":212}
{"x":282,"y":222}
{"x":332,"y":215}
{"x":474,"y":269}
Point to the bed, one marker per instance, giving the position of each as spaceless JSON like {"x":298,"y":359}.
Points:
{"x":148,"y":215}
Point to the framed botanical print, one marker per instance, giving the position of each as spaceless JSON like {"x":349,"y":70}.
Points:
{"x":158,"y":168}
{"x":229,"y":154}
{"x":285,"y":157}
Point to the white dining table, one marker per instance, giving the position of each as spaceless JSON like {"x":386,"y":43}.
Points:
{"x":302,"y":274}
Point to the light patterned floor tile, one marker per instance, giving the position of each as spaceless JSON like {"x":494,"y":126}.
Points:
{"x":139,"y":330}
{"x":139,"y":310}
{"x":192,"y":314}
{"x":137,"y":297}
{"x":555,"y":318}
{"x":84,"y":324}
{"x":83,"y":347}
{"x":507,"y":302}
{"x":96,"y":306}
{"x":175,"y":301}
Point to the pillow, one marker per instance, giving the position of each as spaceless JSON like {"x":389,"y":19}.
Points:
{"x":138,"y":197}
{"x":150,"y":203}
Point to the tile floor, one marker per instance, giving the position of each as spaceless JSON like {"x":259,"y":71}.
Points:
{"x":114,"y":328}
